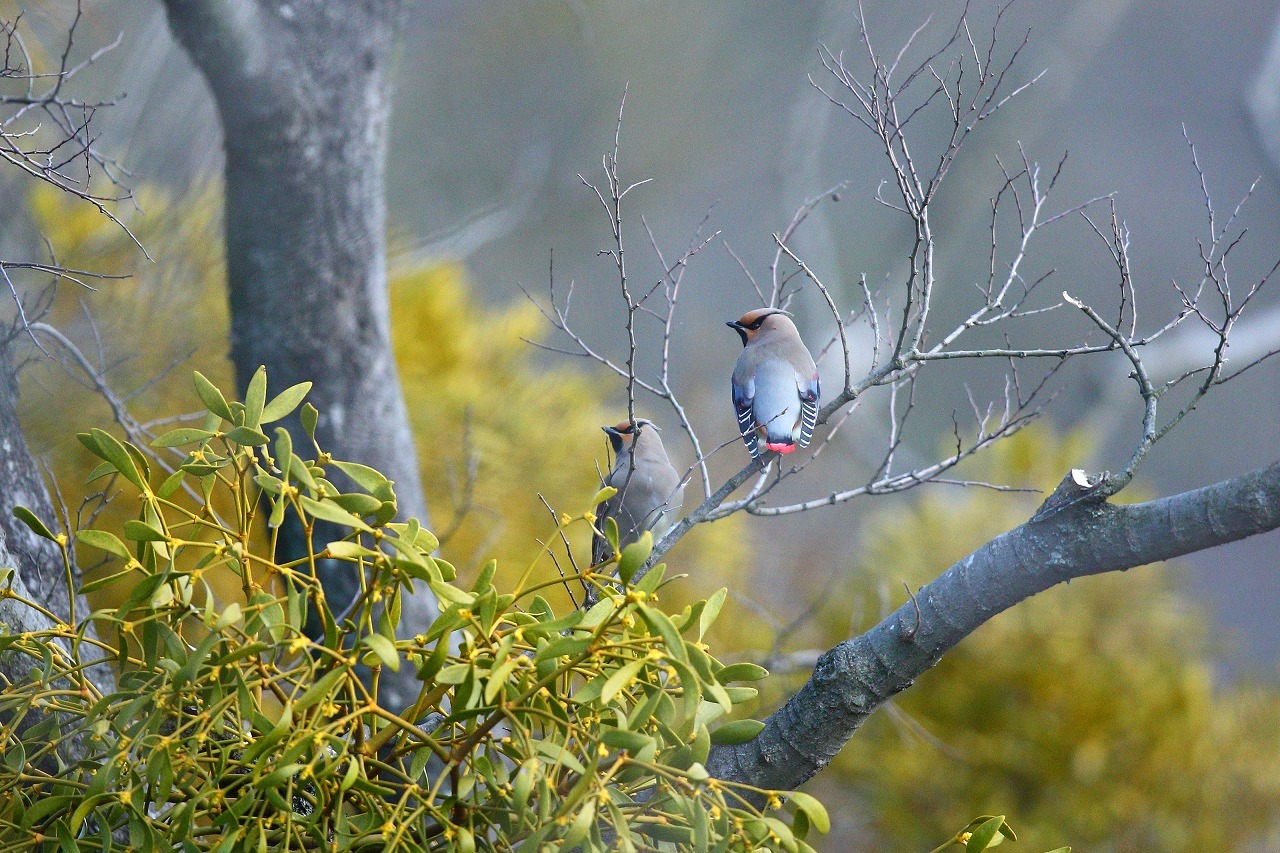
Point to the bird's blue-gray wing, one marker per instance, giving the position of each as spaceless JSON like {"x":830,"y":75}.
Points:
{"x":743,"y":396}
{"x":810,"y":392}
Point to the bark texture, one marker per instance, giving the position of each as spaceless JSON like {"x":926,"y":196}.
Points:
{"x":39,"y":574}
{"x":303,"y":92}
{"x":1073,"y":535}
{"x":36,"y":560}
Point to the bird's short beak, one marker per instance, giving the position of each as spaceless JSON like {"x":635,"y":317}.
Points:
{"x":734,"y":324}
{"x":611,"y":431}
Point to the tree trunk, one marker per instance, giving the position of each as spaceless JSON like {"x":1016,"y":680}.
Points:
{"x":303,"y":92}
{"x":36,"y":560}
{"x":39,"y":575}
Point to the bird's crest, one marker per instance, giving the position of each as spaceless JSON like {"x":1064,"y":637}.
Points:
{"x":627,"y":427}
{"x":751,"y":318}
{"x":750,"y":323}
{"x":620,"y":430}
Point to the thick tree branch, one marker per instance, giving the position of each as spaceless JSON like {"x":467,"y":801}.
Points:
{"x":1073,"y":535}
{"x":223,"y":33}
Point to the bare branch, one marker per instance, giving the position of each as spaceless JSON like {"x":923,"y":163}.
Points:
{"x":976,"y":80}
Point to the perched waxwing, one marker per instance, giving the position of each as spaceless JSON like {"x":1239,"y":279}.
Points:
{"x":775,"y":383}
{"x":649,"y":493}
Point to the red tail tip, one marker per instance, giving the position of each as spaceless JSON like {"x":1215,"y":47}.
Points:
{"x":781,"y":448}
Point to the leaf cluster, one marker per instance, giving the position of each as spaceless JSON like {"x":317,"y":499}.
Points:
{"x":232,"y":729}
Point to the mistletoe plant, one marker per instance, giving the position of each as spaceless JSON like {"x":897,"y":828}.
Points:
{"x":233,"y":728}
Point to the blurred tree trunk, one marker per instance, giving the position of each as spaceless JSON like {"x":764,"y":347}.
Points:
{"x":38,"y":575}
{"x":36,"y":560}
{"x":303,"y":92}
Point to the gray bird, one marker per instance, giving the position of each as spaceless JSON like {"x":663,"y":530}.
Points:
{"x":649,"y":494}
{"x":775,"y":383}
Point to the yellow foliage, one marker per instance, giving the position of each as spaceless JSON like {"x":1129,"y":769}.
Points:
{"x":1088,"y":712}
{"x":531,"y":430}
{"x":534,"y":430}
{"x":162,"y":313}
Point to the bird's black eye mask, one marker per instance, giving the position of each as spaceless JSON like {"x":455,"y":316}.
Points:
{"x":753,"y":326}
{"x":616,"y":434}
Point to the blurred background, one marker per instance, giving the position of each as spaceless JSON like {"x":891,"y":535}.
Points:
{"x":1128,"y":713}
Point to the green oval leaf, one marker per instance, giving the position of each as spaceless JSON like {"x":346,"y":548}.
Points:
{"x":357,"y":503}
{"x":37,"y":526}
{"x":102,"y":470}
{"x":345,"y":550}
{"x":284,"y":449}
{"x":433,"y":663}
{"x":211,"y":396}
{"x":309,"y":417}
{"x":454,"y":673}
{"x":383,"y":649}
{"x":270,"y":615}
{"x":711,"y":611}
{"x":300,"y":472}
{"x":181,"y":436}
{"x":171,"y":484}
{"x":449,"y":592}
{"x":661,"y":625}
{"x":106,"y":446}
{"x":247,"y":437}
{"x":812,"y":809}
{"x":140,"y":531}
{"x":610,"y":531}
{"x":615,"y":683}
{"x":279,"y":776}
{"x":103,"y":541}
{"x":326,"y":511}
{"x":577,"y":831}
{"x":622,"y":739}
{"x":228,"y":617}
{"x":738,"y":731}
{"x":980,"y":839}
{"x":634,"y":555}
{"x":741,"y":672}
{"x":105,"y":580}
{"x":369,"y":479}
{"x":284,"y":403}
{"x":254,"y":397}
{"x":800,"y":825}
{"x":321,"y":690}
{"x":15,"y":757}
